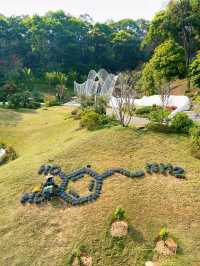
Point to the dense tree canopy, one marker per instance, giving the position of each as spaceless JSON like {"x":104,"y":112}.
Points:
{"x":63,"y":43}
{"x":179,"y":21}
{"x":168,"y":60}
{"x":166,"y":65}
{"x":195,"y":71}
{"x":33,"y":48}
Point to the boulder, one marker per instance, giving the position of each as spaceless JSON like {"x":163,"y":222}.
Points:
{"x":171,"y":244}
{"x":85,"y":261}
{"x":119,"y":229}
{"x":152,"y":263}
{"x":162,"y":249}
{"x":2,"y":154}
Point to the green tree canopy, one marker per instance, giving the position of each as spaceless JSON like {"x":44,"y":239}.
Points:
{"x":195,"y":71}
{"x":59,"y":42}
{"x":166,"y":64}
{"x":168,"y":60}
{"x":179,"y":21}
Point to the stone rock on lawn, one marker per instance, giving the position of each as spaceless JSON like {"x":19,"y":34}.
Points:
{"x":119,"y":229}
{"x":85,"y":261}
{"x":162,"y":249}
{"x":171,"y":244}
{"x":151,"y":263}
{"x":2,"y":154}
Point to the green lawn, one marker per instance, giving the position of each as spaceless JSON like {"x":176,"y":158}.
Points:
{"x":46,"y":235}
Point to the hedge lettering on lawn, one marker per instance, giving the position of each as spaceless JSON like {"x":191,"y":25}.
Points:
{"x":49,"y":190}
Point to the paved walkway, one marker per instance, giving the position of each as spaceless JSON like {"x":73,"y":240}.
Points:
{"x":194,"y":116}
{"x":136,"y":121}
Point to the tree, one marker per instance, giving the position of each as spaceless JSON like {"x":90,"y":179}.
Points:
{"x":164,"y":90}
{"x":126,"y":48}
{"x":59,"y":42}
{"x":147,"y":82}
{"x":123,"y":105}
{"x":56,"y":78}
{"x":195,"y":71}
{"x":166,"y":65}
{"x":27,"y":78}
{"x":158,"y":30}
{"x":168,"y":60}
{"x":59,"y":80}
{"x":186,"y":19}
{"x":179,"y":21}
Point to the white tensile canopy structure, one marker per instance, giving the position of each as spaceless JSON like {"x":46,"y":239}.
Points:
{"x":182,"y":103}
{"x":98,"y":83}
{"x":102,"y":83}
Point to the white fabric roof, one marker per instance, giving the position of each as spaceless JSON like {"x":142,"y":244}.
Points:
{"x":182,"y":103}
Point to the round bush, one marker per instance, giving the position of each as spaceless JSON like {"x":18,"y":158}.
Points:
{"x":90,"y":119}
{"x":181,"y":123}
{"x":22,"y":100}
{"x":50,"y":100}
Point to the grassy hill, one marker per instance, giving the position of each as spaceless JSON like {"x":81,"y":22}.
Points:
{"x":46,"y":235}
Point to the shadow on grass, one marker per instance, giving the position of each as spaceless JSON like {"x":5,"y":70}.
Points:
{"x":25,"y":111}
{"x":13,"y":116}
{"x":9,"y":117}
{"x":58,"y":203}
{"x":136,"y":235}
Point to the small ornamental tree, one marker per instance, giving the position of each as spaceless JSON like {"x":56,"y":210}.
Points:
{"x":164,"y":233}
{"x":123,"y":106}
{"x":195,"y":71}
{"x":119,"y":214}
{"x":59,"y":80}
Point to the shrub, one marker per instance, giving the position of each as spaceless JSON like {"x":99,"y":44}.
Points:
{"x":7,"y":90}
{"x":181,"y":123}
{"x":119,"y":214}
{"x":93,"y":120}
{"x":37,"y":96}
{"x":22,"y":100}
{"x":164,"y":233}
{"x":143,"y":110}
{"x":76,"y":255}
{"x":99,"y":104}
{"x":76,"y":113}
{"x":195,"y":141}
{"x":50,"y":100}
{"x":87,"y":101}
{"x":33,"y":105}
{"x":146,"y":110}
{"x":159,"y":116}
{"x":90,"y":119}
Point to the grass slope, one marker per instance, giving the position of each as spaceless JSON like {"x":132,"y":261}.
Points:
{"x":46,"y":235}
